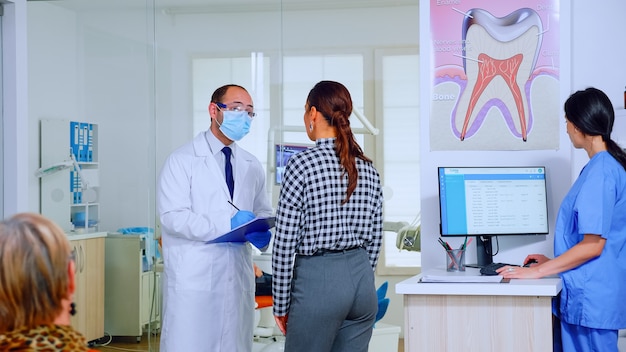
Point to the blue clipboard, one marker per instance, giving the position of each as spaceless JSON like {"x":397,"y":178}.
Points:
{"x":238,"y":234}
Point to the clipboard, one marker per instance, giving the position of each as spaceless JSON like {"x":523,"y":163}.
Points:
{"x":238,"y":234}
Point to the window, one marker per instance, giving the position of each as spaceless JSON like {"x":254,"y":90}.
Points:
{"x":250,"y":72}
{"x":301,"y":73}
{"x":398,"y":72}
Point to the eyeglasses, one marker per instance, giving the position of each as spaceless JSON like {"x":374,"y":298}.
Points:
{"x":236,"y":107}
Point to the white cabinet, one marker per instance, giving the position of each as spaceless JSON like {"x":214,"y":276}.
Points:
{"x":132,"y":296}
{"x":89,"y":253}
{"x":69,"y":195}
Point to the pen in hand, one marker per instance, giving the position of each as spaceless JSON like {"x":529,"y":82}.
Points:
{"x":234,"y":206}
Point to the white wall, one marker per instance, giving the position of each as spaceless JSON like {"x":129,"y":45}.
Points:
{"x":53,"y":89}
{"x":80,"y":72}
{"x":599,"y":59}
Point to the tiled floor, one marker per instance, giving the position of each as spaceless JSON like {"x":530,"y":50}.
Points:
{"x":151,"y":344}
{"x":119,"y":343}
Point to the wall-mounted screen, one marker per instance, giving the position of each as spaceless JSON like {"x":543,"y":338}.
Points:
{"x":283,"y":153}
{"x":492,"y":201}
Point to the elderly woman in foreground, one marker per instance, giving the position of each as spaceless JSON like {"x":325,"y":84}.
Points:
{"x":36,"y":287}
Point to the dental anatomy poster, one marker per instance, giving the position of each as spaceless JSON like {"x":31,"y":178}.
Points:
{"x":495,"y":75}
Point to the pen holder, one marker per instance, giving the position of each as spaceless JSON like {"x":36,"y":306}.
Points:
{"x":455,"y":260}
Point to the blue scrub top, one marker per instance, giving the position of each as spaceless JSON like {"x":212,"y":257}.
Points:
{"x":594,"y":293}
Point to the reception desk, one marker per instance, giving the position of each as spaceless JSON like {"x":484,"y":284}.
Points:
{"x":481,"y":317}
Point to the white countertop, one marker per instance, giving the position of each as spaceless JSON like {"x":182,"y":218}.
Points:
{"x":516,"y":287}
{"x":74,"y":236}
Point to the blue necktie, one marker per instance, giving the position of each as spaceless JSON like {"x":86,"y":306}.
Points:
{"x":228,"y":169}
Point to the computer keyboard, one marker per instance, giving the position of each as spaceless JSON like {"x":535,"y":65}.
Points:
{"x":490,"y":269}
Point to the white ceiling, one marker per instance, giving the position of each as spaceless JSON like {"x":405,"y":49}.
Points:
{"x":187,"y":6}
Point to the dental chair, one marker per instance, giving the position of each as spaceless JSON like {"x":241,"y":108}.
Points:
{"x":265,"y":330}
{"x":267,"y":336}
{"x":263,"y":317}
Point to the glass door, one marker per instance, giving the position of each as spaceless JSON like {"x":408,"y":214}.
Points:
{"x":1,"y":121}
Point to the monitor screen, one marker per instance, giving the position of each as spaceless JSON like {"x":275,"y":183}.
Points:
{"x":283,"y":153}
{"x":492,"y":201}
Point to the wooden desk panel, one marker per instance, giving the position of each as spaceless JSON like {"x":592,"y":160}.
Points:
{"x":477,"y":323}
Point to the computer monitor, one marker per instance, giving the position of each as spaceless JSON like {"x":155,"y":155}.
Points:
{"x":283,"y":152}
{"x":492,"y":201}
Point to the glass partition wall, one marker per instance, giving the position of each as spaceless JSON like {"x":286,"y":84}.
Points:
{"x":1,"y":123}
{"x":144,"y":71}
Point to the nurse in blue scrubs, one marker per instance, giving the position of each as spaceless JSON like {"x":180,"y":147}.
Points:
{"x":590,"y":234}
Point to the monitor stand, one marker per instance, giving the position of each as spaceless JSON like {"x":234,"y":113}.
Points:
{"x":484,"y":251}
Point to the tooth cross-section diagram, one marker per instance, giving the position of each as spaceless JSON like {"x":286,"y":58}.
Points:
{"x":497,"y":64}
{"x":488,"y":69}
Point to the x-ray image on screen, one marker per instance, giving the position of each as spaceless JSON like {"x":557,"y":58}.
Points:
{"x":283,"y":153}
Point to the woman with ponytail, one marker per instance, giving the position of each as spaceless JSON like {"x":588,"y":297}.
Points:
{"x":328,"y":233}
{"x":590,"y":235}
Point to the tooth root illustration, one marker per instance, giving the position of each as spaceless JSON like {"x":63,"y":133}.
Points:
{"x":498,"y":57}
{"x":488,"y":68}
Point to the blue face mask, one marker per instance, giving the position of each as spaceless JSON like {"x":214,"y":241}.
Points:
{"x":235,"y":125}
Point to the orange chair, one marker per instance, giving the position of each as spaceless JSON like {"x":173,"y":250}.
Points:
{"x":263,"y":317}
{"x":263,"y":301}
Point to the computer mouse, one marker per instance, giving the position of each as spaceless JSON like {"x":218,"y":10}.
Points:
{"x":490,"y":269}
{"x":532,"y":261}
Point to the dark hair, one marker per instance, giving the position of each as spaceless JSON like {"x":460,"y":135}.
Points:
{"x":333,"y":101}
{"x":591,"y":111}
{"x":221,"y":91}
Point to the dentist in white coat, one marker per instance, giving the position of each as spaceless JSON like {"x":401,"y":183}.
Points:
{"x":208,"y":289}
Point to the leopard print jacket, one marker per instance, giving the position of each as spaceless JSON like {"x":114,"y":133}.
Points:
{"x":44,"y":338}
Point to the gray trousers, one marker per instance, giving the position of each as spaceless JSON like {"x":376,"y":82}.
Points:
{"x":333,"y":303}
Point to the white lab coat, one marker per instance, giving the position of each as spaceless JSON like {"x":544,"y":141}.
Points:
{"x":208,"y":289}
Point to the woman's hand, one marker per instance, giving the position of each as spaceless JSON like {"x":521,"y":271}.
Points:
{"x":281,"y":322}
{"x":535,"y":259}
{"x":516,"y":272}
{"x":590,"y":247}
{"x":257,"y":271}
{"x":530,"y":271}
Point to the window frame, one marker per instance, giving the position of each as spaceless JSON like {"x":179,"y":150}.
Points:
{"x":383,"y":267}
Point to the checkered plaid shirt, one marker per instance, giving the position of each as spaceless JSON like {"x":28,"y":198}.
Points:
{"x":310,"y":215}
